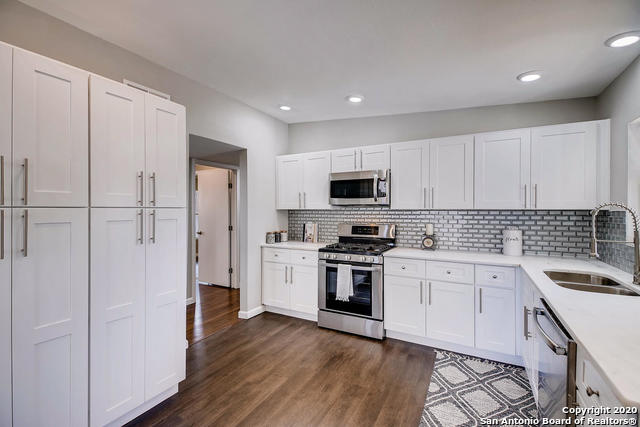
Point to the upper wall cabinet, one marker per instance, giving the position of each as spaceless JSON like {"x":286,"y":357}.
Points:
{"x":5,"y":125}
{"x":50,"y":132}
{"x":117,"y":144}
{"x":502,"y":179}
{"x":289,"y":182}
{"x":451,"y":172}
{"x":410,"y":175}
{"x":373,"y":157}
{"x":303,"y":181}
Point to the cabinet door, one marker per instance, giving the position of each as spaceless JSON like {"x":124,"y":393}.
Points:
{"x":404,"y":305}
{"x":502,"y":179}
{"x":166,"y":153}
{"x":450,"y":312}
{"x":495,"y":320}
{"x":375,"y":157}
{"x":5,"y":316}
{"x":166,"y":286}
{"x":451,"y":172}
{"x":50,"y":132}
{"x":344,"y":160}
{"x":528,"y":328}
{"x":563,"y":166}
{"x":117,"y":312}
{"x":289,"y":182}
{"x":6,"y":71}
{"x":275,"y":285}
{"x":50,"y":316}
{"x":304,"y":288}
{"x":117,"y":144}
{"x":409,"y":175}
{"x":315,"y":168}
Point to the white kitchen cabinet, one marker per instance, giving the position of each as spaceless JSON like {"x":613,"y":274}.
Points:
{"x":289,"y":179}
{"x":404,"y":305}
{"x":6,"y":73}
{"x":410,"y":175}
{"x":371,"y":157}
{"x":451,"y":172}
{"x":275,"y":285}
{"x":564,"y":166}
{"x":502,"y":169}
{"x":5,"y":316}
{"x":495,"y":319}
{"x":50,"y":316}
{"x":166,"y":272}
{"x":304,"y":288}
{"x":166,"y":153}
{"x":117,"y":144}
{"x":315,"y":180}
{"x":117,"y":312}
{"x":529,"y":334}
{"x":344,"y":160}
{"x":50,"y":132}
{"x":450,"y":312}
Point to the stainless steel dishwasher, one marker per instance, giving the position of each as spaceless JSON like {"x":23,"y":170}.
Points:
{"x":556,"y":354}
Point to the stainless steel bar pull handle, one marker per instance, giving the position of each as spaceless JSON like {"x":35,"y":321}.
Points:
{"x":140,"y":227}
{"x":421,"y":292}
{"x":2,"y":234}
{"x":25,"y":190}
{"x":153,"y":189}
{"x":555,"y":347}
{"x":140,"y":179}
{"x":286,"y":274}
{"x":480,"y":299}
{"x":152,"y":214}
{"x":424,"y":197}
{"x":429,"y":293}
{"x":525,"y":322}
{"x":525,"y":196}
{"x":304,"y":199}
{"x":535,"y":195}
{"x":299,"y":200}
{"x":1,"y":180}
{"x":25,"y":233}
{"x":291,"y":275}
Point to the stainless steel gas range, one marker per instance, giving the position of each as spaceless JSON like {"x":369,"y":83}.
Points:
{"x":361,"y":247}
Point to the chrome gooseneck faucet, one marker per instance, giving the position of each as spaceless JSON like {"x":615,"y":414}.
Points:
{"x":636,"y":240}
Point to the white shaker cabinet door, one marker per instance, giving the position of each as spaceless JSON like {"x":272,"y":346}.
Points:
{"x":410,"y":175}
{"x":304,"y":288}
{"x":315,"y":169}
{"x":404,"y":305}
{"x":495,"y":320}
{"x":275,"y":285}
{"x":375,"y":157}
{"x":166,"y":281}
{"x":450,"y":308}
{"x":502,"y":178}
{"x":166,"y":148}
{"x":50,"y":132}
{"x":564,"y":166}
{"x":451,"y":172}
{"x":289,"y":177}
{"x":117,"y":144}
{"x":345,"y":160}
{"x":6,"y":71}
{"x":50,"y":317}
{"x":5,"y":316}
{"x":117,"y":312}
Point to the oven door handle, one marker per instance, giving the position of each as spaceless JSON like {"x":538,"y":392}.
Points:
{"x":556,"y":348}
{"x":353,"y":267}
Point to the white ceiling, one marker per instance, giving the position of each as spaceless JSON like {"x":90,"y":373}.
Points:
{"x":402,"y":55}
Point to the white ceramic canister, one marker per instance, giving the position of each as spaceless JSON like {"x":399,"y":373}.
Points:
{"x":512,"y":241}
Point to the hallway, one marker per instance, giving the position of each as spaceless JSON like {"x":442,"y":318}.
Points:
{"x":216,"y":308}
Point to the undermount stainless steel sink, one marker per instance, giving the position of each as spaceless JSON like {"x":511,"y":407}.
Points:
{"x":589,"y":283}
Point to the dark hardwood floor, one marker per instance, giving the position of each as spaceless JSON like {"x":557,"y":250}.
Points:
{"x":273,"y":370}
{"x":216,"y":308}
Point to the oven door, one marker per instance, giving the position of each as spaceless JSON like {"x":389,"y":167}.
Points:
{"x":360,"y":188}
{"x":367,"y":289}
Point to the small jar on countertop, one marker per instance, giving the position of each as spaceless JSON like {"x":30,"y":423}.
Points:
{"x":284,"y":236}
{"x":271,"y":237}
{"x":278,"y":236}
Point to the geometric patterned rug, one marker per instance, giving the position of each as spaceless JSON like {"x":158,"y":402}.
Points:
{"x":465,"y":389}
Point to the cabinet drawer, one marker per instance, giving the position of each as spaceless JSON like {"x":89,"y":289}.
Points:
{"x":405,"y":267}
{"x":450,"y":272}
{"x":304,"y":258}
{"x":276,"y":255}
{"x":490,"y":275}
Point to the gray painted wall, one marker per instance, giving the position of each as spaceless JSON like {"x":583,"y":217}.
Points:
{"x":210,"y":114}
{"x":315,"y":136}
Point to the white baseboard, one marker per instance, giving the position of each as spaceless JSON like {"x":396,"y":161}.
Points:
{"x":463,"y":349}
{"x":292,"y":313}
{"x":144,"y":407}
{"x":251,"y":313}
{"x":190,"y":300}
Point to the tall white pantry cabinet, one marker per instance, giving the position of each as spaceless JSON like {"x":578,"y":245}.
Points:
{"x":80,"y":348}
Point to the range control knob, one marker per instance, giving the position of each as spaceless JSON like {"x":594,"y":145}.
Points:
{"x":363,"y":258}
{"x":370,"y":259}
{"x":334,"y":256}
{"x":347,"y":257}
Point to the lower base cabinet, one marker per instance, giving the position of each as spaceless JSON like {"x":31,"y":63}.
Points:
{"x":450,"y":310}
{"x":495,"y":317}
{"x":404,"y":307}
{"x":304,"y":289}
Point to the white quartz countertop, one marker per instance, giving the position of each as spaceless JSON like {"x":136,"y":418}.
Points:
{"x":606,"y":326}
{"x":294,"y":244}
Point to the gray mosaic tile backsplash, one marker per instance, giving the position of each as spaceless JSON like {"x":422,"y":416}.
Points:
{"x":612,"y":226}
{"x":550,"y":233}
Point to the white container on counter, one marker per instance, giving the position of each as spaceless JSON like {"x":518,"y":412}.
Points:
{"x":512,"y":241}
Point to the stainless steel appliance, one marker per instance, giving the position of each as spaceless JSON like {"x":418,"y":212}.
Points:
{"x":360,"y":188}
{"x":556,"y":365}
{"x":361,"y":246}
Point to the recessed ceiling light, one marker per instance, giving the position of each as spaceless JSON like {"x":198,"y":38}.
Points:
{"x":529,"y":76}
{"x":355,"y":99}
{"x":285,"y":108}
{"x":624,"y":39}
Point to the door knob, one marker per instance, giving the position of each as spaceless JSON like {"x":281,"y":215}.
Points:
{"x":199,"y":233}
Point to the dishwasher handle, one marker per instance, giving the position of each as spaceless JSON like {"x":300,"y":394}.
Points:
{"x":556,"y":348}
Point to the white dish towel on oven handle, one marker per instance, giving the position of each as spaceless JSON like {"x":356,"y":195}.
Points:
{"x":344,"y":283}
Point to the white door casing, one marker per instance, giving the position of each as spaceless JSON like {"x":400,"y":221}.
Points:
{"x":6,"y":76}
{"x":315,"y":178}
{"x":289,"y":179}
{"x":451,"y":172}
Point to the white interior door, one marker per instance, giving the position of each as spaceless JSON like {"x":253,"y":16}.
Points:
{"x":117,"y":312}
{"x":5,"y":317}
{"x":166,"y":285}
{"x":6,"y":72}
{"x":502,"y":173}
{"x":214,"y":254}
{"x":344,"y":160}
{"x":316,"y":168}
{"x":50,"y":132}
{"x":451,"y":172}
{"x":289,"y":182}
{"x":117,"y":144}
{"x":166,"y":148}
{"x":50,"y":317}
{"x":409,"y":175}
{"x":375,"y":157}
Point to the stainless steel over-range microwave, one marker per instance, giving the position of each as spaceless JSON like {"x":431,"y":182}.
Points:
{"x":360,"y":188}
